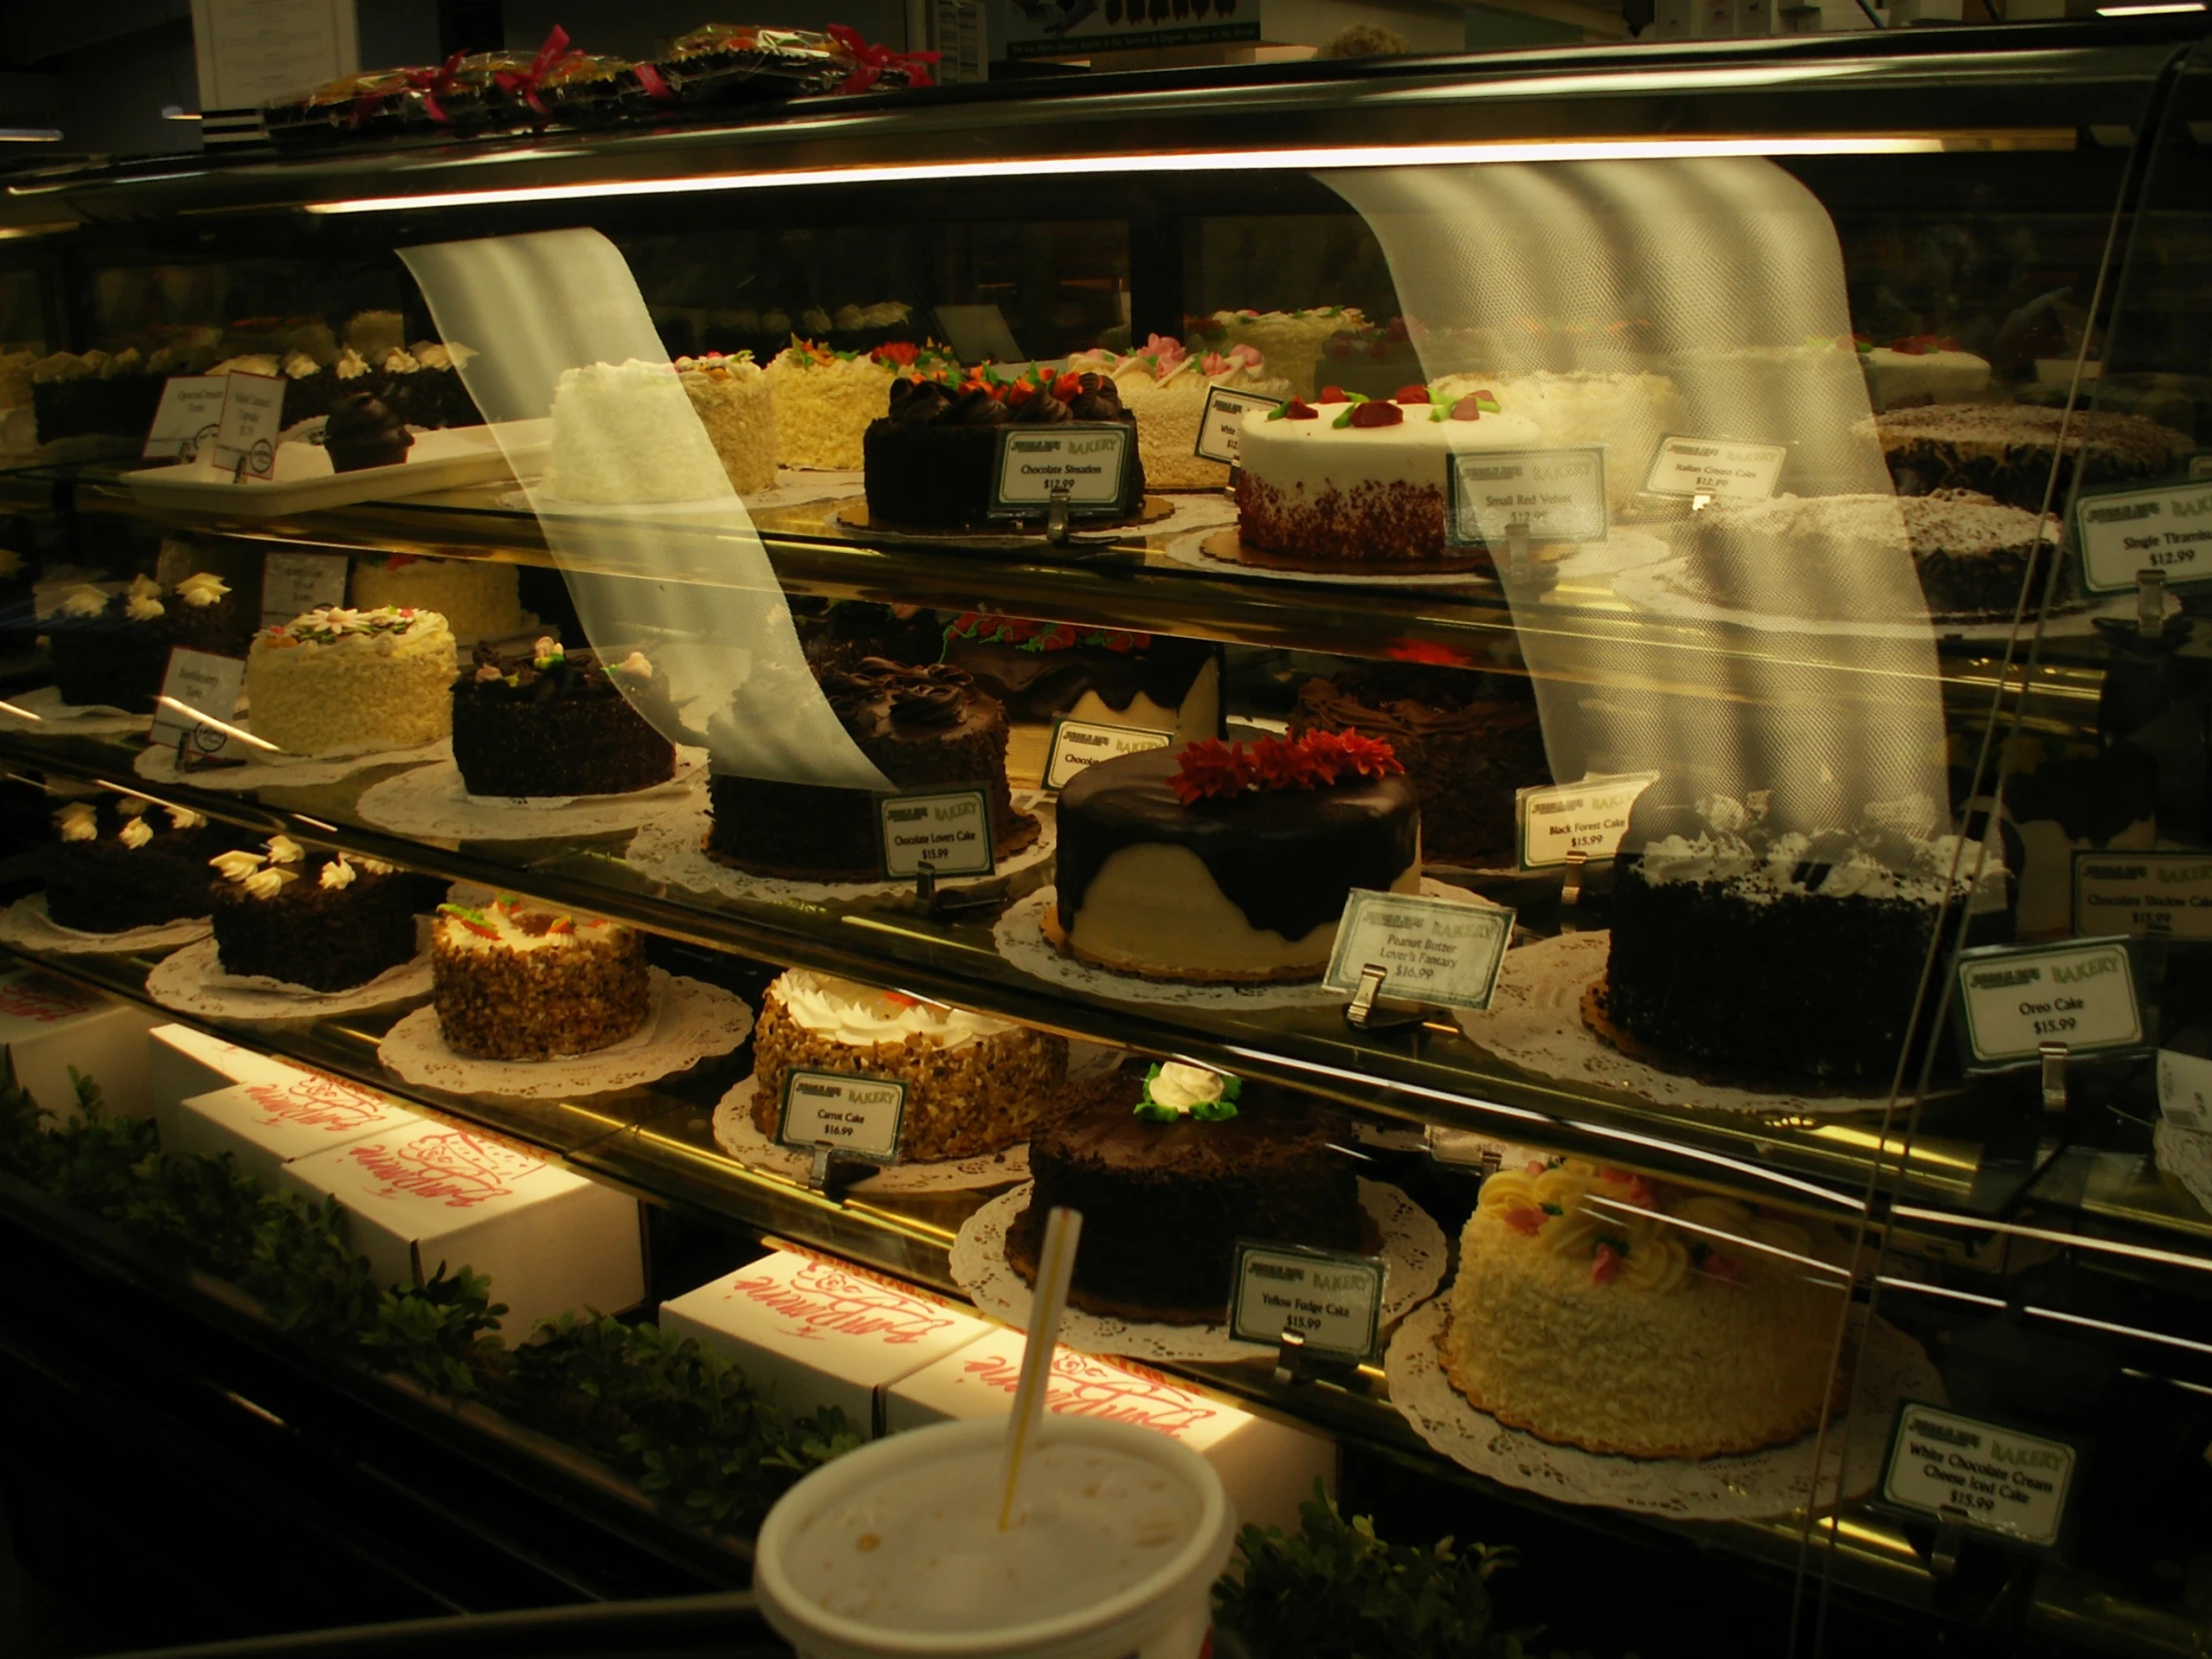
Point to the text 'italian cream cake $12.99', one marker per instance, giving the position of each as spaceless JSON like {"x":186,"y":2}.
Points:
{"x":1217,"y":862}
{"x":513,"y":982}
{"x":338,"y":681}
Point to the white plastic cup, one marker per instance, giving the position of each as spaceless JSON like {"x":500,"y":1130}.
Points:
{"x":818,"y":1541}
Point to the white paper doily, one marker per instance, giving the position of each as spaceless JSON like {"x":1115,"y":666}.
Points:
{"x":736,"y":1135}
{"x":796,"y":486}
{"x":1412,"y":1251}
{"x":1534,"y":1022}
{"x":56,"y":719}
{"x":433,"y":800}
{"x":1892,"y":1366}
{"x":2186,"y":1155}
{"x":192,"y":982}
{"x":689,"y":1021}
{"x":672,"y":849}
{"x":26,"y":923}
{"x":1020,"y":936}
{"x":265,"y":771}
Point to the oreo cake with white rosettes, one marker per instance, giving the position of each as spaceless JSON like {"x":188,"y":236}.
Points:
{"x":539,"y":720}
{"x":1748,"y":937}
{"x":122,"y":864}
{"x":328,"y":922}
{"x":516,"y":983}
{"x":113,"y":649}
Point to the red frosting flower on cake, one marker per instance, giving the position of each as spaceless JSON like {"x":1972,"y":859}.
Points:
{"x":901,"y":352}
{"x":1523,"y":1217}
{"x":1376,"y":413}
{"x":1282,"y":763}
{"x":1210,"y":770}
{"x":1421,"y":650}
{"x":1366,"y":756}
{"x":1068,"y":387}
{"x":1312,"y":762}
{"x":1605,"y":1265}
{"x":1299,"y":409}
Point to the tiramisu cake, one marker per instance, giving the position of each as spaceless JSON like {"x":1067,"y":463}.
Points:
{"x":2007,"y":451}
{"x":513,"y":982}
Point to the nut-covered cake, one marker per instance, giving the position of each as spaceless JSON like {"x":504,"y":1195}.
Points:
{"x":125,"y":862}
{"x":516,"y":983}
{"x":323,"y":920}
{"x":342,"y":682}
{"x":974,"y":1084}
{"x":113,"y":649}
{"x":1170,"y":1167}
{"x":538,"y":720}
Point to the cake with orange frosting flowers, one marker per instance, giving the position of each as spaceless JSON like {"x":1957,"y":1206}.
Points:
{"x":1595,"y":1309}
{"x":513,"y":982}
{"x":1165,"y":388}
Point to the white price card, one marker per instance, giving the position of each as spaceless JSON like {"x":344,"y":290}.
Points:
{"x":1589,"y":817}
{"x":1083,"y":459}
{"x":1983,"y":1476}
{"x":1333,"y":1302}
{"x":2149,"y":895}
{"x":1549,"y":496}
{"x":948,"y":829}
{"x":199,"y":695}
{"x":253,"y":415}
{"x":2015,"y":998}
{"x":1439,"y":950}
{"x":2185,"y":1090}
{"x":1077,"y":744}
{"x":190,"y":409}
{"x":2167,"y":528}
{"x":855,"y":1117}
{"x":293,"y":584}
{"x":1719,"y":469}
{"x":1221,"y":424}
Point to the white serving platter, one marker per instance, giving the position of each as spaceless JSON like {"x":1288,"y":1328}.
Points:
{"x":442,"y":458}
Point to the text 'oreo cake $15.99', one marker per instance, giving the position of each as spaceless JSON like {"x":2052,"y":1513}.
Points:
{"x":537,"y":720}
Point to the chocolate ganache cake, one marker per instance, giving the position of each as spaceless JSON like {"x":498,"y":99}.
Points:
{"x":541,"y":721}
{"x":1218,"y":864}
{"x":1747,"y":937}
{"x":929,"y":461}
{"x":1170,"y":1168}
{"x":122,"y":864}
{"x":924,"y":728}
{"x":324,"y":920}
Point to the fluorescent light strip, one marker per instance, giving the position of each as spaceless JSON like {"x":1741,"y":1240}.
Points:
{"x":1278,"y":161}
{"x":1889,"y":1283}
{"x":2162,"y":10}
{"x":2077,"y":1241}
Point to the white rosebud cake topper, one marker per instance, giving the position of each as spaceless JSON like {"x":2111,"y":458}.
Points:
{"x":1174,"y":1091}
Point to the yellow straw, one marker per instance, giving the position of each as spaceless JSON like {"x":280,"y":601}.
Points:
{"x":1055,"y":1266}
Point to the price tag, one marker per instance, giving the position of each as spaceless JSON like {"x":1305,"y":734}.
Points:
{"x":1334,"y":1302}
{"x":293,"y":584}
{"x":1436,"y":950}
{"x":1085,"y":459}
{"x":2185,"y":1090}
{"x":1719,"y":469}
{"x":199,"y":688}
{"x":1221,"y":424}
{"x":949,"y":831}
{"x":1588,"y":817}
{"x":2149,"y":895}
{"x":855,"y":1117}
{"x":190,"y":409}
{"x":2167,"y":528}
{"x":252,"y":414}
{"x":2015,"y":998}
{"x":1077,"y":744}
{"x":1549,"y":496}
{"x":1980,"y":1476}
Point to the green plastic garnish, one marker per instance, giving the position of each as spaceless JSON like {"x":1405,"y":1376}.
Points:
{"x":462,"y":912}
{"x":1217,"y":1110}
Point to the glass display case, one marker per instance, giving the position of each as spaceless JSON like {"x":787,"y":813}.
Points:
{"x":1633,"y":647}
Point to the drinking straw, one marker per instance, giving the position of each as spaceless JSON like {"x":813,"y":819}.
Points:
{"x":1055,"y":1266}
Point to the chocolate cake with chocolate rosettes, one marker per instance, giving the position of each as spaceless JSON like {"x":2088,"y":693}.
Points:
{"x":539,"y":720}
{"x":325,"y":920}
{"x":2006,"y":451}
{"x":929,"y":461}
{"x":1170,"y":1168}
{"x":125,"y":862}
{"x":924,"y":728}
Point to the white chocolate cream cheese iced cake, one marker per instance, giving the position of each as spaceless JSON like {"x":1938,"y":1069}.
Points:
{"x":1624,"y":414}
{"x":1165,"y":388}
{"x":1595,"y":1310}
{"x":974,"y":1084}
{"x":826,"y":400}
{"x":626,"y":433}
{"x":478,"y":598}
{"x":1291,"y":341}
{"x":339,"y":681}
{"x":734,"y":402}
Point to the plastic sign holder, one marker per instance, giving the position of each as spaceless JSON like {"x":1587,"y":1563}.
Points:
{"x":293,"y":584}
{"x":1221,"y":426}
{"x":195,"y":685}
{"x":2162,"y":895}
{"x":1078,"y":744}
{"x":840,"y":1117}
{"x":185,"y":422}
{"x":1978,"y":1479}
{"x":1440,"y":952}
{"x":2045,"y":1005}
{"x":1318,"y":1310}
{"x":1704,"y":470}
{"x":253,"y":415}
{"x":2126,"y":535}
{"x":940,"y":832}
{"x":1060,"y":473}
{"x":1511,"y":497}
{"x":1568,"y":827}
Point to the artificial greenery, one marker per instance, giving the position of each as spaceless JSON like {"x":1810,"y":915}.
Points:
{"x":678,"y":1418}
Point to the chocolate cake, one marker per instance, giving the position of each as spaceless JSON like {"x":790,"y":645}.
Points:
{"x":328,"y":922}
{"x":1749,"y":937}
{"x":122,"y":864}
{"x":540,"y":720}
{"x":514,"y":983}
{"x":929,"y":461}
{"x":2006,"y":451}
{"x":1467,"y":739}
{"x":113,"y":650}
{"x":1165,"y":1197}
{"x":362,"y":431}
{"x":924,"y":728}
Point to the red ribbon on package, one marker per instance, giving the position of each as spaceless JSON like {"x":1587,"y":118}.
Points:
{"x":554,"y":53}
{"x":429,"y":82}
{"x":876,"y":59}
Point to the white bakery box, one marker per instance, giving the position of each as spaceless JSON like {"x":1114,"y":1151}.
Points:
{"x":49,"y":1026}
{"x":182,"y":1063}
{"x":822,"y":1333}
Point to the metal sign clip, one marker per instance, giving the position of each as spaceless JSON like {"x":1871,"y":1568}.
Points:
{"x":2151,"y":602}
{"x":2055,"y":1076}
{"x":1056,"y":513}
{"x":1361,"y":1014}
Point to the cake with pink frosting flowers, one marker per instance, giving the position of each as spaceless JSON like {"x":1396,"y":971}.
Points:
{"x":1165,"y":388}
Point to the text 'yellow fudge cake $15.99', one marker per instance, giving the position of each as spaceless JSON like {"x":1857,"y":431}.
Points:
{"x":336,"y":681}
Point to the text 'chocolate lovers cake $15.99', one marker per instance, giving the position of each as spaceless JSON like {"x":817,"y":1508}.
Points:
{"x":1220,"y":862}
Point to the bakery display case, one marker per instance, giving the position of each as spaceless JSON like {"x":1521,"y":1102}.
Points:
{"x":1569,"y":686}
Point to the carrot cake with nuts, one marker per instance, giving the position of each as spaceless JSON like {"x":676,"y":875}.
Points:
{"x":515,"y":984}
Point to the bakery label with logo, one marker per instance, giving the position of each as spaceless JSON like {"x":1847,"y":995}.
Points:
{"x":1981,"y":1476}
{"x":253,"y":415}
{"x":1221,"y":424}
{"x":2167,"y":528}
{"x":198,"y":694}
{"x":1333,"y":1302}
{"x":855,"y":1117}
{"x":2014,"y":999}
{"x":2151,"y":895}
{"x":1077,"y":744}
{"x":1439,"y":950}
{"x":1715,"y":470}
{"x":948,"y":829}
{"x":1085,"y":460}
{"x":1559,"y":820}
{"x":293,"y":584}
{"x":189,"y":412}
{"x":1544,"y":495}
